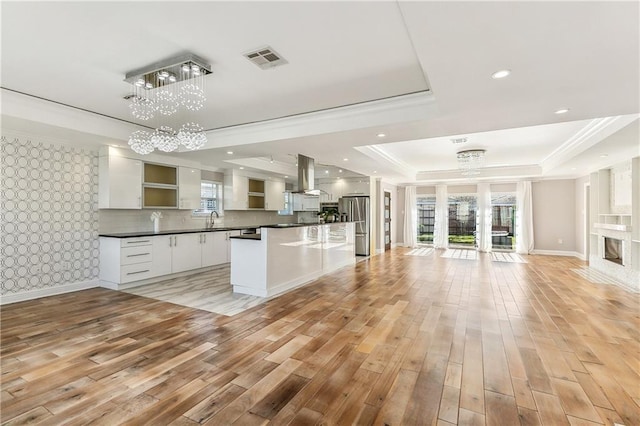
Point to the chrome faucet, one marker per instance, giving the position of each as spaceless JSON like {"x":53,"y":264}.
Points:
{"x":210,"y":223}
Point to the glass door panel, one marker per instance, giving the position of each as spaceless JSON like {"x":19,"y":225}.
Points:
{"x":462,"y":220}
{"x":503,"y":208}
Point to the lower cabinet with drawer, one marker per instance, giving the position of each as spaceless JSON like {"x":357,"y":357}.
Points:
{"x":124,"y":260}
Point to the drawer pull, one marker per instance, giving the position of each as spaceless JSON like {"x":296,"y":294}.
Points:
{"x":137,"y":272}
{"x":136,"y":242}
{"x":140,"y":254}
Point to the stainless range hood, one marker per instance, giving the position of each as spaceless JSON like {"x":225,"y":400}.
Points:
{"x":306,"y":176}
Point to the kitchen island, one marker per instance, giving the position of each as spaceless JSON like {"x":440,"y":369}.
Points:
{"x":286,"y":256}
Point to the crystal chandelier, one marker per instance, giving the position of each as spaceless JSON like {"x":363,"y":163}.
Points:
{"x":163,"y":91}
{"x":470,"y":160}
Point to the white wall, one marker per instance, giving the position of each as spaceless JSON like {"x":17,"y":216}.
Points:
{"x":580,"y":215}
{"x":554,"y":215}
{"x":399,"y":209}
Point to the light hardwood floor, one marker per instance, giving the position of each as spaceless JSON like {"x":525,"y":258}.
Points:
{"x":394,"y":340}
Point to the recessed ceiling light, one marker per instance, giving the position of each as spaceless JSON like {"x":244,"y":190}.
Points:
{"x":381,"y":135}
{"x":345,"y":159}
{"x":500,"y":74}
{"x":241,"y":168}
{"x":230,"y":152}
{"x":562,"y":111}
{"x":604,"y":155}
{"x":326,"y":171}
{"x":286,"y":177}
{"x":340,"y":171}
{"x":375,"y":171}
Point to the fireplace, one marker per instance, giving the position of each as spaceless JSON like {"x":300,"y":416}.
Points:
{"x":613,"y":250}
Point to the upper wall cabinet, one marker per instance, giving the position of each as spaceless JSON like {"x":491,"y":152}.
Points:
{"x":128,"y":183}
{"x":159,"y":186}
{"x":120,"y":183}
{"x":274,"y":195}
{"x":252,"y":193}
{"x":188,"y":188}
{"x":236,"y":191}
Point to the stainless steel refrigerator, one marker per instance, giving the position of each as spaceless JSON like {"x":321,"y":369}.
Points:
{"x":357,"y":210}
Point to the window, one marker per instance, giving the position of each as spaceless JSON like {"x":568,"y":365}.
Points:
{"x":210,"y":197}
{"x":426,"y":218}
{"x":288,"y":205}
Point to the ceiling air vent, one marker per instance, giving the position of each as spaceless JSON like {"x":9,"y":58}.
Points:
{"x":265,"y":58}
{"x":458,"y":140}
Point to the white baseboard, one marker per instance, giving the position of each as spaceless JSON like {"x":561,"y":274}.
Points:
{"x":558,"y":253}
{"x":49,"y":291}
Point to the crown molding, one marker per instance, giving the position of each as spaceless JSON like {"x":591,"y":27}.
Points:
{"x":399,"y":109}
{"x":593,"y":133}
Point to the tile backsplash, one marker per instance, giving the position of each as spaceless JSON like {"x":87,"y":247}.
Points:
{"x":114,"y":221}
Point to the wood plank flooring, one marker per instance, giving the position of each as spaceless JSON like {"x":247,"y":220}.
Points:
{"x":395,"y":340}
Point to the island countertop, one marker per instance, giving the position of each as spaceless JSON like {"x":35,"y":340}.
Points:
{"x":284,"y":257}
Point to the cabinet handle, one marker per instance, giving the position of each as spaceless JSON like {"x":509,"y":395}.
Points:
{"x":170,"y":241}
{"x":137,"y":272}
{"x":139,"y":201}
{"x":137,"y":241}
{"x":135,"y":255}
{"x":205,"y":238}
{"x":175,"y":241}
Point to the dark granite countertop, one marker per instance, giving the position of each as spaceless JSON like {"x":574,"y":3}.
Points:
{"x":215,"y":229}
{"x":175,"y":231}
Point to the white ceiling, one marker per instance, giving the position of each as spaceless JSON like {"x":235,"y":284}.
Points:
{"x":417,"y":71}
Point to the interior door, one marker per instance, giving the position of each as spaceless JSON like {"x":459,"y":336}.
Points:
{"x":387,"y":221}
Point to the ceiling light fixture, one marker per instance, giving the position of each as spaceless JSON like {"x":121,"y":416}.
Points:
{"x":162,"y":89}
{"x":562,"y":111}
{"x":500,"y":74}
{"x":230,"y":152}
{"x":381,"y":135}
{"x":470,"y":160}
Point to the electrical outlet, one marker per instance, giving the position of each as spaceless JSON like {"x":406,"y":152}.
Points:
{"x":560,"y":241}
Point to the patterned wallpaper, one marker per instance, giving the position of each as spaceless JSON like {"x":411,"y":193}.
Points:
{"x":48,"y":215}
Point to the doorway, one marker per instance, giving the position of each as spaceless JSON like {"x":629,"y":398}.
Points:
{"x":387,"y":221}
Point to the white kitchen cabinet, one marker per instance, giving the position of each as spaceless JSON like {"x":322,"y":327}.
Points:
{"x":162,"y":248}
{"x":303,"y":202}
{"x":216,"y":248}
{"x":188,"y":188}
{"x":355,"y":187}
{"x":274,"y":194}
{"x":123,"y":260}
{"x":119,"y":183}
{"x":185,"y":252}
{"x":236,"y":191}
